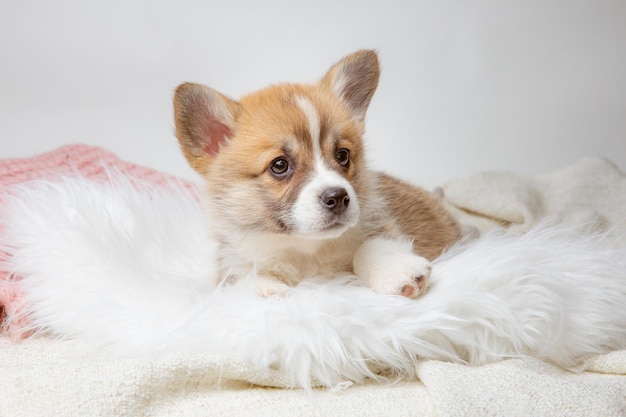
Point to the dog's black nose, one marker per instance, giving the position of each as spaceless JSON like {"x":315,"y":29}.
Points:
{"x":335,"y":199}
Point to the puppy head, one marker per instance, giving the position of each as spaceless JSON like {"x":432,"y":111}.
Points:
{"x":287,"y":159}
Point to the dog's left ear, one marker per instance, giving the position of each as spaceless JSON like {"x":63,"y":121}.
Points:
{"x":354,"y":79}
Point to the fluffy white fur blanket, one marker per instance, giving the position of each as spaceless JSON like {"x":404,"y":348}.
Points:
{"x":121,"y":270}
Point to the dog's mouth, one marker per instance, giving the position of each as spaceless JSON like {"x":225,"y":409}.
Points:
{"x":329,"y":229}
{"x":336,"y":226}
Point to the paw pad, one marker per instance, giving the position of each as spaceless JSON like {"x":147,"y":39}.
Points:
{"x":407,"y":291}
{"x":410,"y":290}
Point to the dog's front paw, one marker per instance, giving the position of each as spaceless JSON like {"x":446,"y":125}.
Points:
{"x":401,"y":274}
{"x":416,"y":272}
{"x":390,"y":267}
{"x":270,"y":287}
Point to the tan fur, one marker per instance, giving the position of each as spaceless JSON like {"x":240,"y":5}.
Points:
{"x":232,"y":144}
{"x":419,"y":216}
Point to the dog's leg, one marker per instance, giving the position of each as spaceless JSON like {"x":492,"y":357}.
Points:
{"x":268,"y":286}
{"x":271,"y":277}
{"x":389,"y":266}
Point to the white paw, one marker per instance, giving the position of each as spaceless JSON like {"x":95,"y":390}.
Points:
{"x":390,"y":267}
{"x":270,"y":287}
{"x":405,"y":274}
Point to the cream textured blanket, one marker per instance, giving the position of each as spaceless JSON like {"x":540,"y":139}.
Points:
{"x":591,"y":190}
{"x":53,"y":378}
{"x":59,"y":378}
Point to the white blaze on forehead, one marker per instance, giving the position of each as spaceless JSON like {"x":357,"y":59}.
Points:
{"x":313,"y":120}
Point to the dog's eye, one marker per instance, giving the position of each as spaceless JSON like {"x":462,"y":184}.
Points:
{"x":343,"y":157}
{"x":280,"y":167}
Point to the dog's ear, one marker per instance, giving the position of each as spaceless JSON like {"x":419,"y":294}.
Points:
{"x":354,"y":79}
{"x":204,"y":122}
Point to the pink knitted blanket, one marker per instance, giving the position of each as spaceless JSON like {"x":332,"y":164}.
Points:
{"x":72,"y":160}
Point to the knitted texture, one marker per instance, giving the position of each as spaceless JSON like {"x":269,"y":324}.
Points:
{"x":71,"y":160}
{"x":88,"y":161}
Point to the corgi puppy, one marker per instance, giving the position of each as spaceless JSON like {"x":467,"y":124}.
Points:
{"x":289,"y":192}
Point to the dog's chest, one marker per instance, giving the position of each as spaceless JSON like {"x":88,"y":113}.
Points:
{"x":291,"y":259}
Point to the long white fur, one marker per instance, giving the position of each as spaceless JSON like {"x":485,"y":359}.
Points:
{"x":128,"y":269}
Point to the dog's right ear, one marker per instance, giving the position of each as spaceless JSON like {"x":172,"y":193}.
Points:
{"x":204,"y":122}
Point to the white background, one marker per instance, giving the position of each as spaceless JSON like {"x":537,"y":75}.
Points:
{"x":527,"y":86}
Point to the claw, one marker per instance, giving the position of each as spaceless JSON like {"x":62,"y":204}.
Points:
{"x":420,"y":281}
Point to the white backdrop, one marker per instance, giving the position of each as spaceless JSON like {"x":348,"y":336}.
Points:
{"x":527,"y":86}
